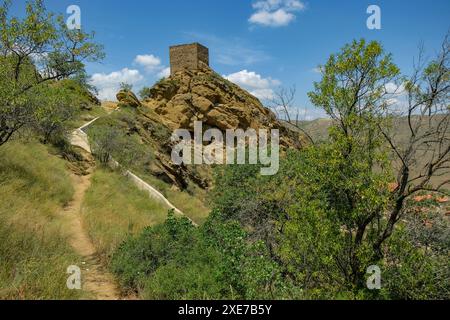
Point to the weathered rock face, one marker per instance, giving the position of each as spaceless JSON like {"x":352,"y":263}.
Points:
{"x":201,"y":95}
{"x":93,"y":99}
{"x":128,"y":98}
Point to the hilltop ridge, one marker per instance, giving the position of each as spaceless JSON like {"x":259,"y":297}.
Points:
{"x":187,"y":96}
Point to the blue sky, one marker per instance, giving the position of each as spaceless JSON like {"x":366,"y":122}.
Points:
{"x":260,"y":44}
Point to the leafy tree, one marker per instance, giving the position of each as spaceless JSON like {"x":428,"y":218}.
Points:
{"x":145,"y":93}
{"x":56,"y":109}
{"x":35,"y":51}
{"x":347,"y":208}
{"x":327,"y":240}
{"x":110,"y":138}
{"x":126,"y":86}
{"x":140,"y":256}
{"x":176,"y":260}
{"x":104,"y":141}
{"x":258,"y":203}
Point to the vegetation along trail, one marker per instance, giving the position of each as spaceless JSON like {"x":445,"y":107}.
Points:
{"x":96,"y":280}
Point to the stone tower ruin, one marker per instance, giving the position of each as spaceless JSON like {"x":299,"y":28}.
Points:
{"x":188,"y":57}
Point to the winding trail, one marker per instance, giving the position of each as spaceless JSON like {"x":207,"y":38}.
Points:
{"x":96,"y":280}
{"x":80,"y":139}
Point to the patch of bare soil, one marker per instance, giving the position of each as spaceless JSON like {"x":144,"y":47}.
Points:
{"x":96,"y":280}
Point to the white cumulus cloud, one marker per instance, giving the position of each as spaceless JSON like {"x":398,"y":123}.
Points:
{"x":108,"y":84}
{"x":275,"y":13}
{"x":152,"y":65}
{"x":262,"y":88}
{"x":164,"y":73}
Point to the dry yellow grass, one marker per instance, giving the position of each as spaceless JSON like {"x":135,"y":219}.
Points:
{"x":34,"y":254}
{"x":192,"y":205}
{"x":114,"y":208}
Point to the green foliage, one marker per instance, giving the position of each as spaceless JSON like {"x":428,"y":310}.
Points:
{"x":55,"y":110}
{"x":178,"y":261}
{"x":104,"y":141}
{"x":141,"y":256}
{"x":354,"y":81}
{"x":160,"y":132}
{"x":311,"y":254}
{"x":174,"y":282}
{"x":338,"y":225}
{"x":114,"y":208}
{"x":110,"y":138}
{"x":315,"y":230}
{"x":145,"y":93}
{"x":417,"y":261}
{"x":255,"y":201}
{"x":126,"y":86}
{"x":416,"y":272}
{"x":246,"y":265}
{"x":323,"y":244}
{"x":343,"y":186}
{"x":37,"y":50}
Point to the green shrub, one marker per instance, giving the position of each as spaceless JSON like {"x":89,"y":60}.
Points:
{"x":114,"y":208}
{"x":110,"y":138}
{"x":140,"y":256}
{"x":173,"y":281}
{"x":178,"y":261}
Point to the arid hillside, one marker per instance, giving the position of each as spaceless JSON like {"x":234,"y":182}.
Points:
{"x":318,"y":129}
{"x":180,"y":100}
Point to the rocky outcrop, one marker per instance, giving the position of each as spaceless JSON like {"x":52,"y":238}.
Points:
{"x":198,"y":95}
{"x":203,"y":95}
{"x":128,"y":98}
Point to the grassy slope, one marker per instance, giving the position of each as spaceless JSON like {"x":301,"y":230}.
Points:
{"x":192,"y":205}
{"x":113,"y":208}
{"x":86,"y":116}
{"x":34,"y":254}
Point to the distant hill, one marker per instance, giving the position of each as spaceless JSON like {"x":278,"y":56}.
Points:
{"x":318,"y":129}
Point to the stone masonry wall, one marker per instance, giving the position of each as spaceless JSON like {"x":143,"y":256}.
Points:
{"x":188,"y":56}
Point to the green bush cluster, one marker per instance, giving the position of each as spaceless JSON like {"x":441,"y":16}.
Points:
{"x":176,"y":260}
{"x":111,"y":137}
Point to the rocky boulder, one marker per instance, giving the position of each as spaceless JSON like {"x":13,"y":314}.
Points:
{"x":128,"y":98}
{"x":203,"y":95}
